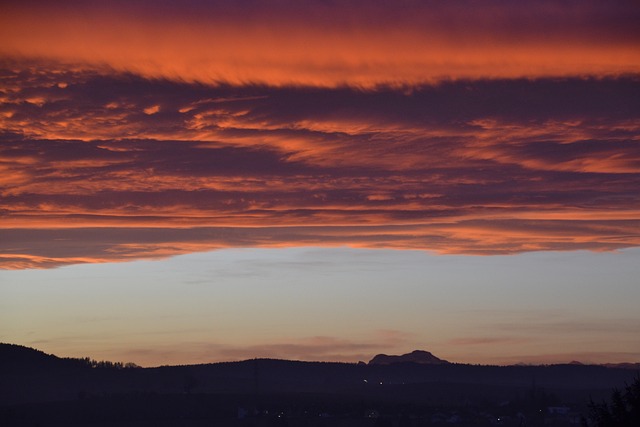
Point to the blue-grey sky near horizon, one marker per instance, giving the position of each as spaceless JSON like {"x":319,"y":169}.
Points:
{"x":191,"y":181}
{"x":337,"y":304}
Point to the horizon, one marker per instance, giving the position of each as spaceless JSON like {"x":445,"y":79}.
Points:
{"x":190,"y":180}
{"x":360,"y":362}
{"x":244,"y":303}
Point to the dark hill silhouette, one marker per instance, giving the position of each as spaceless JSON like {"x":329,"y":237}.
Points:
{"x":32,"y":382}
{"x":16,"y":356}
{"x":416,"y":356}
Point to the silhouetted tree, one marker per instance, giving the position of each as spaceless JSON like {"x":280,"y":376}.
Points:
{"x":623,"y":411}
{"x":103,"y":364}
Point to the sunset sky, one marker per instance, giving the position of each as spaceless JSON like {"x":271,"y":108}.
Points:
{"x":198,"y":181}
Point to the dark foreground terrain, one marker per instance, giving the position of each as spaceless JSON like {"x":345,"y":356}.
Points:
{"x":37,"y":389}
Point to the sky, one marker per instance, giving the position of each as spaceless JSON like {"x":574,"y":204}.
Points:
{"x":198,"y":181}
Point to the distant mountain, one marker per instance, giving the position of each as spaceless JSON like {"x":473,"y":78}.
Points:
{"x":417,"y":356}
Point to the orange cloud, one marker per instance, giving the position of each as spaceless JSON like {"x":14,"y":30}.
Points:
{"x":48,"y":247}
{"x":329,"y":45}
{"x":114,"y":167}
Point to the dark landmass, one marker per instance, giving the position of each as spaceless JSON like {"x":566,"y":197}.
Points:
{"x":633,"y":366}
{"x":418,"y":389}
{"x":417,"y":356}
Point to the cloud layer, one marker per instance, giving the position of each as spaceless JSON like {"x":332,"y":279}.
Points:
{"x":103,"y":166}
{"x":149,"y":129}
{"x":318,"y":43}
